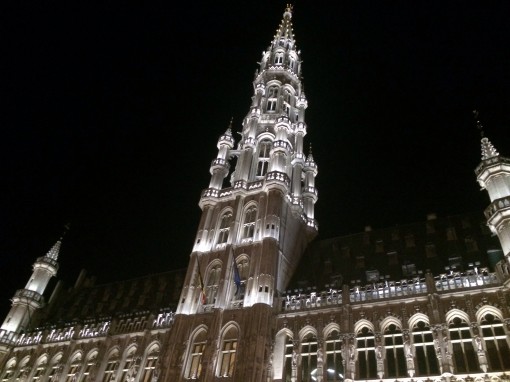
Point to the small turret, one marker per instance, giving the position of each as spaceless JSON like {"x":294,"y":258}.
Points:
{"x":493,"y":175}
{"x":27,"y":300}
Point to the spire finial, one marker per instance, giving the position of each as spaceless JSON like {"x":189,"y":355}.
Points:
{"x":479,"y":125}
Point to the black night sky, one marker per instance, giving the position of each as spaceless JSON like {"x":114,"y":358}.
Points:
{"x":111,"y":114}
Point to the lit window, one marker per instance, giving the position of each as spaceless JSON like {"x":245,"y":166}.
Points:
{"x":264,"y":156}
{"x":426,"y":358}
{"x":464,"y":356}
{"x":249,"y":223}
{"x":308,"y":364}
{"x":272,"y":94}
{"x":150,"y":365}
{"x":111,"y":367}
{"x":367,"y":366}
{"x":496,"y":343}
{"x":194,"y":364}
{"x":212,"y":283}
{"x":74,"y":369}
{"x":228,"y":353}
{"x":128,"y":369}
{"x":39,"y":371}
{"x":334,"y":368}
{"x":395,"y":358}
{"x":89,"y":366}
{"x":224,"y":228}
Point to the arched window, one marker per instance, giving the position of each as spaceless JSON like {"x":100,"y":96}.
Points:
{"x":496,"y":343}
{"x":111,"y":366}
{"x":56,"y":368}
{"x":286,"y":102}
{"x":129,"y":363}
{"x":224,"y":228}
{"x":196,"y":350}
{"x":464,"y":356}
{"x":333,"y":365}
{"x":90,"y":365}
{"x":278,"y":58}
{"x":272,"y":98}
{"x":212,"y":283}
{"x":250,"y":218}
{"x":40,"y":369}
{"x":10,"y":368}
{"x":264,"y":156}
{"x":395,"y":358}
{"x":426,"y":358}
{"x":228,"y":352}
{"x":74,"y":368}
{"x":308,"y":364}
{"x":367,"y":365}
{"x":150,"y":365}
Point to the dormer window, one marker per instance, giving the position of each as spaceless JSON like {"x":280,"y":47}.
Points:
{"x":278,"y":58}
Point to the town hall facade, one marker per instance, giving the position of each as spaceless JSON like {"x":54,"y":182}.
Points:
{"x":244,"y":311}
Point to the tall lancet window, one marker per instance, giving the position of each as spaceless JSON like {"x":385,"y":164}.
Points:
{"x":464,"y":356}
{"x":496,"y":343}
{"x":74,"y":369}
{"x":308,"y":357}
{"x":264,"y":156}
{"x":286,"y":102}
{"x":224,"y":228}
{"x":212,"y":283}
{"x":272,"y":98}
{"x":111,"y":366}
{"x":333,"y":364}
{"x":278,"y":57}
{"x":395,"y":358}
{"x":426,"y":358}
{"x":250,"y":217}
{"x":40,"y":370}
{"x":228,"y":352}
{"x":150,"y":365}
{"x":367,"y":365}
{"x":194,"y":362}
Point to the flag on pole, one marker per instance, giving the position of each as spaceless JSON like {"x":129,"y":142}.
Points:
{"x":203,"y":297}
{"x":237,"y":276}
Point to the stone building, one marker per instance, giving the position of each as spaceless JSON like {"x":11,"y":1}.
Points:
{"x":426,"y":301}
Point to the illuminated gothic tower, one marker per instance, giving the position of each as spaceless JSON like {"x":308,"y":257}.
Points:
{"x":26,"y":301}
{"x":257,"y":218}
{"x":493,"y":174}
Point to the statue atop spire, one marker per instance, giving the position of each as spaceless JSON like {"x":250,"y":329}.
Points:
{"x":488,"y":149}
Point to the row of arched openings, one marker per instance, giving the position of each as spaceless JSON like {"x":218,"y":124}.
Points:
{"x":86,"y":368}
{"x":227,"y":352}
{"x":466,"y":341}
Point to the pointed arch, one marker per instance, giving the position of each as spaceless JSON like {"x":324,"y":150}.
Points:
{"x":417,"y":317}
{"x":495,"y":339}
{"x":229,"y":339}
{"x":9,"y":370}
{"x":150,"y":362}
{"x":129,"y":362}
{"x":464,"y":355}
{"x":90,"y":363}
{"x":282,"y":354}
{"x":307,"y":364}
{"x":212,"y":280}
{"x":223,"y":227}
{"x":249,"y":222}
{"x":365,"y":345}
{"x":75,"y":366}
{"x":333,"y":343}
{"x":196,"y":347}
{"x":41,"y":366}
{"x":264,"y":147}
{"x":388,"y":321}
{"x":55,"y":366}
{"x":360,"y":324}
{"x":423,"y":345}
{"x":112,"y":363}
